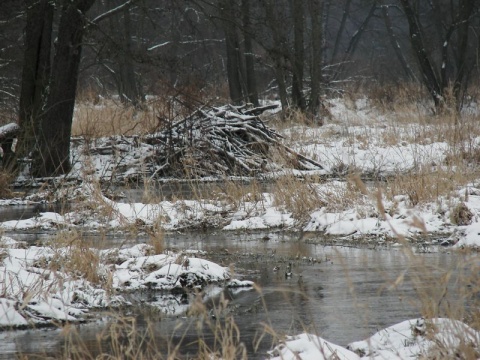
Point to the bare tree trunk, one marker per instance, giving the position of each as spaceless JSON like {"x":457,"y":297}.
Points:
{"x":249,"y":55}
{"x":430,"y":79}
{"x":355,"y":39}
{"x":396,"y":45}
{"x":131,"y":88}
{"x":232,"y":44}
{"x":278,"y":52}
{"x":36,"y":71}
{"x":325,"y":18}
{"x":125,"y":78}
{"x":346,"y":11}
{"x":56,"y":121}
{"x":465,"y":11}
{"x":299,"y":55}
{"x":316,"y":62}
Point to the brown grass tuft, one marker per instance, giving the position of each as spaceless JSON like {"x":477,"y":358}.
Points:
{"x":74,"y":256}
{"x":297,"y":196}
{"x":156,"y":238}
{"x":6,"y":179}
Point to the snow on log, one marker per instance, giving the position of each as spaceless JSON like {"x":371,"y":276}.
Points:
{"x":9,"y":131}
{"x":227,"y":140}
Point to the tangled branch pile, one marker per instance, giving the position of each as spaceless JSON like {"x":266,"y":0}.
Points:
{"x":227,"y":140}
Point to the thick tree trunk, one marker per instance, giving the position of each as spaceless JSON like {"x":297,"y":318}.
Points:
{"x":280,"y":77}
{"x":249,"y":55}
{"x":232,"y":44}
{"x":299,"y":55}
{"x":430,"y":79}
{"x":53,"y":156}
{"x":316,"y":63}
{"x":325,"y":18}
{"x":125,"y":78}
{"x":36,"y":71}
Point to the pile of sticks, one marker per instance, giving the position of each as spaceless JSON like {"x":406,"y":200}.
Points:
{"x":215,"y":141}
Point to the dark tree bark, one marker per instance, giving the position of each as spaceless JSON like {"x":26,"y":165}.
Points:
{"x":36,"y":71}
{"x":298,"y":55}
{"x":127,"y":84}
{"x":325,"y":18}
{"x":316,"y":62}
{"x":355,"y":39}
{"x":233,"y":49}
{"x":249,"y":55}
{"x":55,"y":123}
{"x":459,"y":84}
{"x":277,"y":50}
{"x":279,"y":63}
{"x":341,"y":29}
{"x":396,"y":44}
{"x":430,"y":78}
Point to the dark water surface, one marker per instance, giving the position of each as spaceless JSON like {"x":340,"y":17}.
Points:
{"x":21,"y":212}
{"x":341,"y":293}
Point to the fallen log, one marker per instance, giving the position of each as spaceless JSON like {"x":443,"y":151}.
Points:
{"x":8,"y":133}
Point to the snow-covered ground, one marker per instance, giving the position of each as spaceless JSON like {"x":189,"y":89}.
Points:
{"x":356,"y":138}
{"x":41,"y":285}
{"x":35,"y":289}
{"x":437,"y":338}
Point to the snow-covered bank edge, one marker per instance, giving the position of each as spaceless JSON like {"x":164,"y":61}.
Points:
{"x":39,"y":286}
{"x":455,"y":218}
{"x":438,"y":338}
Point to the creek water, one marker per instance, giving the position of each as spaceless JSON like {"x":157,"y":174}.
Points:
{"x":341,"y":293}
{"x":20,"y":212}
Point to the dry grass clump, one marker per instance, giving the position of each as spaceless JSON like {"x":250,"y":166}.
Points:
{"x":121,"y":339}
{"x":293,"y":117}
{"x":6,"y":178}
{"x":461,"y":215}
{"x":450,"y":291}
{"x":297,"y":196}
{"x":125,"y":338}
{"x":353,"y":193}
{"x":111,"y":119}
{"x":96,"y":116}
{"x":73,"y":255}
{"x":427,"y":185}
{"x":236,"y":194}
{"x":156,"y":238}
{"x":227,"y":344}
{"x":394,"y":96}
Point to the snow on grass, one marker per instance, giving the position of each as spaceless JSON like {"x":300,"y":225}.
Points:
{"x":166,"y":272}
{"x":357,"y":138}
{"x":418,"y":337}
{"x":34,"y":294}
{"x":38,"y":287}
{"x":410,"y":339}
{"x":308,"y":346}
{"x":336,"y":215}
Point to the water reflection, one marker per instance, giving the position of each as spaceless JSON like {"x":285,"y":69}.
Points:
{"x":21,"y":212}
{"x":341,"y":293}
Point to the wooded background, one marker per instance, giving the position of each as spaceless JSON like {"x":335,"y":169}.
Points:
{"x":292,"y":50}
